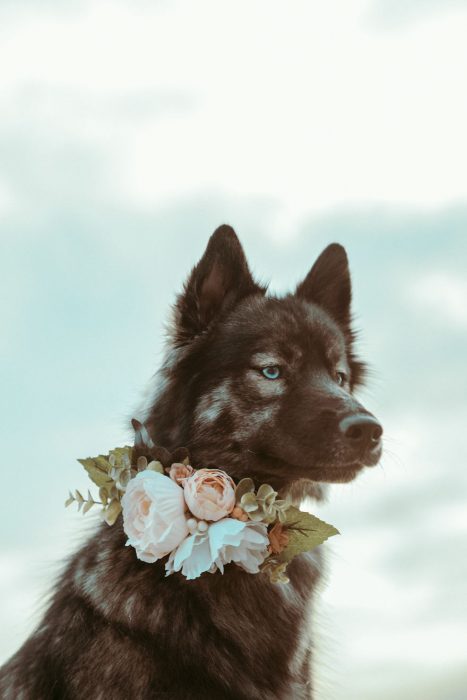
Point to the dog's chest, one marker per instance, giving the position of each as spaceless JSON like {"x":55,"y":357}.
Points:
{"x":235,"y":630}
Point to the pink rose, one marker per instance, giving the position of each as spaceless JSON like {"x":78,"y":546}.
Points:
{"x":178,"y":472}
{"x":154,"y":515}
{"x":210,"y":494}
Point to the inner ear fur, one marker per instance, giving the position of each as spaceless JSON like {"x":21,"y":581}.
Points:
{"x":220,"y":280}
{"x":328,"y":284}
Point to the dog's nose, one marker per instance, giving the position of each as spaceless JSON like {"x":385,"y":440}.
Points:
{"x":361,"y":430}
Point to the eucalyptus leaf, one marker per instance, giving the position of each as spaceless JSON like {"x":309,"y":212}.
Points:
{"x":115,"y":473}
{"x":141,"y":463}
{"x":124,"y":479}
{"x":103,"y":495}
{"x":265,"y":491}
{"x":69,"y":500}
{"x":122,"y":456}
{"x":249,"y":503}
{"x":156,"y":466}
{"x":244,"y":486}
{"x":112,"y":511}
{"x":87,"y":506}
{"x":305,"y":532}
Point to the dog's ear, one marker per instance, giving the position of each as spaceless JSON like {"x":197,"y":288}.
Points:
{"x":220,"y":280}
{"x":328,"y":284}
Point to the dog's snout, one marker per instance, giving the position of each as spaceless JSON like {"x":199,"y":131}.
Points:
{"x":361,"y":430}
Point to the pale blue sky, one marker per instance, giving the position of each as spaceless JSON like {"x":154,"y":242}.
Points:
{"x":128,"y":132}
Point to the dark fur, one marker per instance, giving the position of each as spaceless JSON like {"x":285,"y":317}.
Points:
{"x":117,"y":627}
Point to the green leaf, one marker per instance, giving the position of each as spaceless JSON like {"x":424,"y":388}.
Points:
{"x":69,"y":500}
{"x":103,"y":495}
{"x":87,"y":506}
{"x":79,"y":499}
{"x":305,"y":533}
{"x":112,"y":511}
{"x":98,"y":469}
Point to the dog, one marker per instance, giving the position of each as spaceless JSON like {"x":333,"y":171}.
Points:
{"x":258,"y":386}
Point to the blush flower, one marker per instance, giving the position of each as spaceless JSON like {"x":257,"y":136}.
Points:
{"x":178,"y":472}
{"x":210,"y":494}
{"x":154,"y":515}
{"x":226,"y":541}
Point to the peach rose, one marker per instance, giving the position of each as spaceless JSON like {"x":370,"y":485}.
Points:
{"x":210,"y":494}
{"x":154,"y":515}
{"x":178,"y":472}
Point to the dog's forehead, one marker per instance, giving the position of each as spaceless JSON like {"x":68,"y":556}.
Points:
{"x":288,"y":328}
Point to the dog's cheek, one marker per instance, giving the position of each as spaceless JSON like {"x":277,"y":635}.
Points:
{"x":258,"y":387}
{"x":213,"y":404}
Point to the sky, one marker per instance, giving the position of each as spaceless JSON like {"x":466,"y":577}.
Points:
{"x":128,"y":132}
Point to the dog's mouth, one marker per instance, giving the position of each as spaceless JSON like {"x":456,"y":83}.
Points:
{"x":345,"y":471}
{"x":332,"y":472}
{"x":340,"y":474}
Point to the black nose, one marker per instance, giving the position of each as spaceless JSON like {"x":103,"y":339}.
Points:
{"x":361,"y":430}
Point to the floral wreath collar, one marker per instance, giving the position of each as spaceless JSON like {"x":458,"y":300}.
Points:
{"x":201,"y":518}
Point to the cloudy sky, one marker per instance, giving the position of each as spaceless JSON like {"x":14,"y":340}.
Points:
{"x":128,"y":132}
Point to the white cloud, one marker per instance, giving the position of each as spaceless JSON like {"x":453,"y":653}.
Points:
{"x":442,"y":294}
{"x":6,"y":197}
{"x":265,"y":105}
{"x":309,"y":105}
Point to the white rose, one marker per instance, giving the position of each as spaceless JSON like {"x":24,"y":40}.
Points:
{"x":154,"y":515}
{"x":227,"y":540}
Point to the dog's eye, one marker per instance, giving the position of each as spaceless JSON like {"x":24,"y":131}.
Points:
{"x":341,"y":378}
{"x":271,"y":372}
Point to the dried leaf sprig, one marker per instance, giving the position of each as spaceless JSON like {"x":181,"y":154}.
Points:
{"x":112,"y":474}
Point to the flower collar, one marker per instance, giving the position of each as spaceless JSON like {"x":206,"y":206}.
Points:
{"x":200,"y":518}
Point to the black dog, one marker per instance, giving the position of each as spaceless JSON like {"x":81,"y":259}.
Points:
{"x":255,"y":385}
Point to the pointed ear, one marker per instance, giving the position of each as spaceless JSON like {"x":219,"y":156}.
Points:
{"x":220,"y":280}
{"x":328,"y":284}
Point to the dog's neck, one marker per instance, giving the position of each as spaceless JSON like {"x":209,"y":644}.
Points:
{"x":296,"y":490}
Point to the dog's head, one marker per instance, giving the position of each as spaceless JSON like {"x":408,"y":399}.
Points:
{"x":263,"y":386}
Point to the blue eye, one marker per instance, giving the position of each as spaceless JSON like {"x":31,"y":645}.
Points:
{"x":272,"y":372}
{"x":341,"y":378}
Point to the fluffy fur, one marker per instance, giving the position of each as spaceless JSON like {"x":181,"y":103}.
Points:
{"x":117,"y":627}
